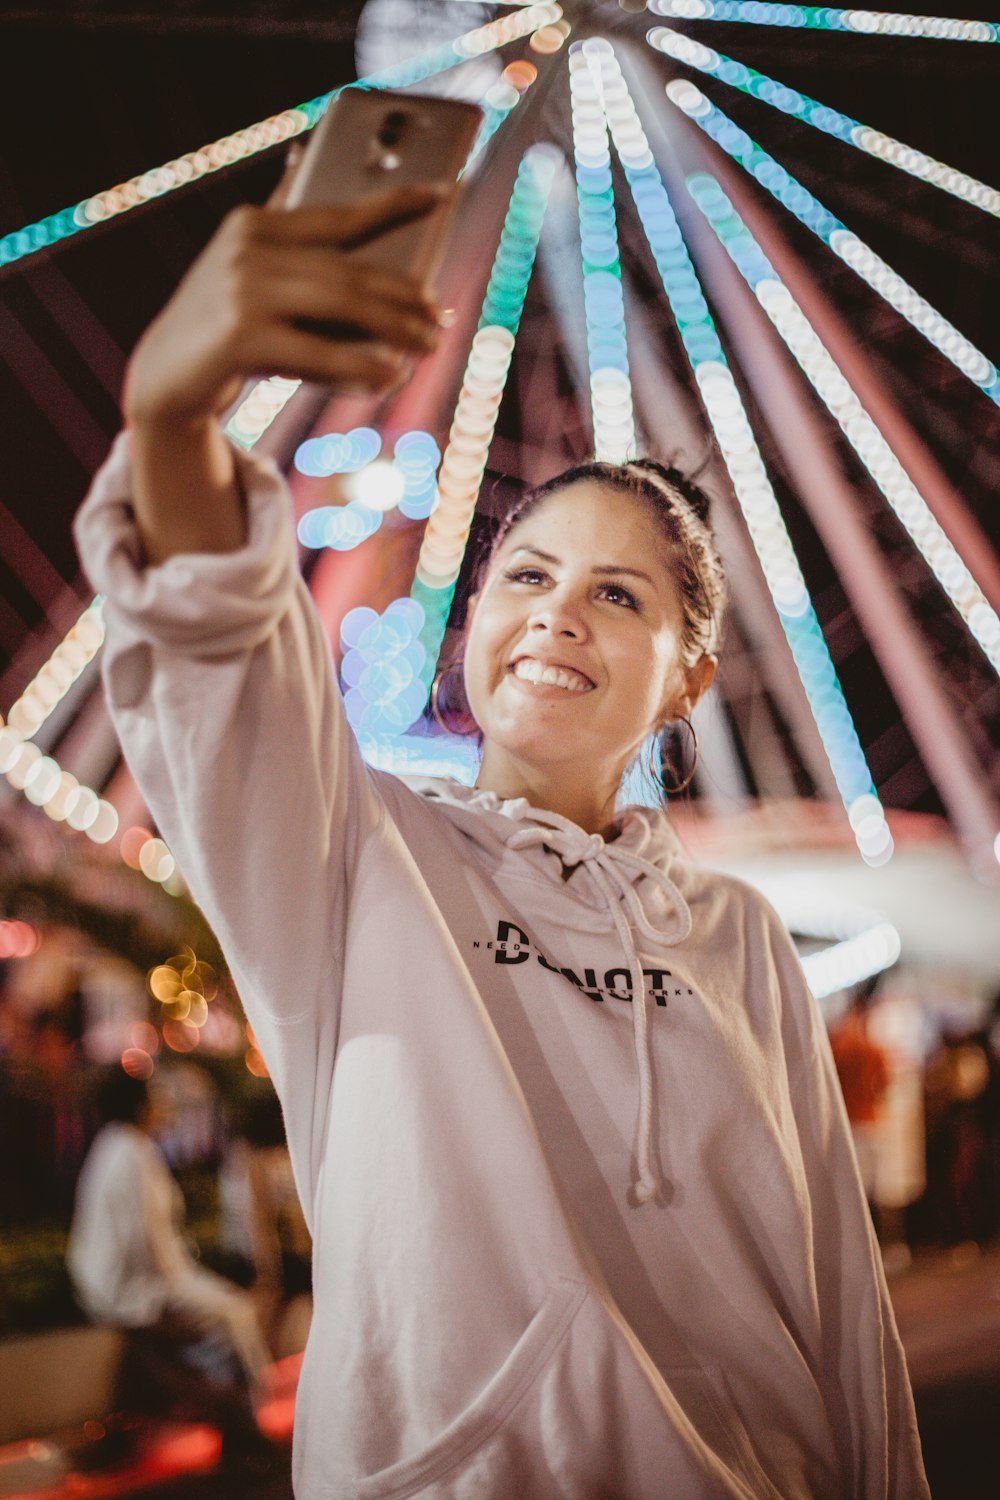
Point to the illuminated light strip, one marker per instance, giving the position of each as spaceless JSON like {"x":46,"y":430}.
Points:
{"x":48,"y":688}
{"x":852,"y":250}
{"x":849,"y":962}
{"x":255,"y":138}
{"x":421,"y":755}
{"x":471,"y":434}
{"x":745,"y":465}
{"x":865,"y":22}
{"x":258,"y":410}
{"x":836,"y":393}
{"x":604,"y":307}
{"x":55,"y":791}
{"x":791,"y":102}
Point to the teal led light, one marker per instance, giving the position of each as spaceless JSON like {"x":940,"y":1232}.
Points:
{"x":515,"y":255}
{"x":837,"y":395}
{"x":819,"y":18}
{"x":482,"y":388}
{"x":255,"y":138}
{"x":746,"y":467}
{"x":604,"y":306}
{"x":873,"y":142}
{"x":852,"y":250}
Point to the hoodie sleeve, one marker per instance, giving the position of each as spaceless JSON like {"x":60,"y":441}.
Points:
{"x":863,"y":1375}
{"x":220,"y":684}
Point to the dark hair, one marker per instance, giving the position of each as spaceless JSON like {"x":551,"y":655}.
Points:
{"x":121,"y":1097}
{"x":681,"y":510}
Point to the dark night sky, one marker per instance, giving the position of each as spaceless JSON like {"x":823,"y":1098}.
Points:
{"x":86,"y":105}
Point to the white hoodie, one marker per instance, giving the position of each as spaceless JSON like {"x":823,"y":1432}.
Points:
{"x":448,"y":1022}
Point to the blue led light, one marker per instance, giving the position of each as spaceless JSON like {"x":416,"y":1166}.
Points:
{"x":337,"y":452}
{"x":604,"y":308}
{"x":417,"y":456}
{"x":382,"y":666}
{"x":340,"y":527}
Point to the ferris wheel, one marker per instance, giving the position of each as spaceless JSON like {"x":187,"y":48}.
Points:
{"x":634,"y":271}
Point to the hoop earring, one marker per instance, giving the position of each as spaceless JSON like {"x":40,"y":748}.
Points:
{"x":681,"y":786}
{"x":439,"y":677}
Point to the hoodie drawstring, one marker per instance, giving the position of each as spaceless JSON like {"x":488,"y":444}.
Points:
{"x":614,"y":871}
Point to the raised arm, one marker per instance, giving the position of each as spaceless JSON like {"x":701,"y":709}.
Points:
{"x":274,"y":293}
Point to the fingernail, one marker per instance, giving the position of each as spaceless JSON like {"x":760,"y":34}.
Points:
{"x":445,"y":317}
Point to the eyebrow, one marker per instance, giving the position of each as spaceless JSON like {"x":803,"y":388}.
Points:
{"x":605,"y":569}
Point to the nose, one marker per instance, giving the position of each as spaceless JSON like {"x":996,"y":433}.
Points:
{"x":560,"y":613}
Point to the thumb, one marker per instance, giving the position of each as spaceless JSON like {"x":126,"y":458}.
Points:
{"x":293,"y":159}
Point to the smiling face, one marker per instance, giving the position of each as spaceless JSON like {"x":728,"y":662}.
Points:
{"x":574,"y":651}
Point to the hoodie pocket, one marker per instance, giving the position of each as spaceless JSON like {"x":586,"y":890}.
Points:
{"x":490,"y":1409}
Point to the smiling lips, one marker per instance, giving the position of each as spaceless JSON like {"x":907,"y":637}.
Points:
{"x":527,"y":669}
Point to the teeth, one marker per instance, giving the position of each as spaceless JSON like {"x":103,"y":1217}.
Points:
{"x":536,"y":671}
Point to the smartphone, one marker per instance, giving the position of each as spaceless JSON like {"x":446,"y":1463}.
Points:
{"x":371,"y":140}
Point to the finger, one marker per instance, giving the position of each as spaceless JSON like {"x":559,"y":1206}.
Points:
{"x":317,"y":284}
{"x":293,"y":157}
{"x":300,"y":354}
{"x":349,"y":225}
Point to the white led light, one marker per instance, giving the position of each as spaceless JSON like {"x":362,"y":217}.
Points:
{"x":832,"y":122}
{"x":378,"y":486}
{"x":851,"y":961}
{"x":742,"y":457}
{"x":882,"y":464}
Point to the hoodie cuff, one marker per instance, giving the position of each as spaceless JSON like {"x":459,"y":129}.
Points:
{"x":199,"y":604}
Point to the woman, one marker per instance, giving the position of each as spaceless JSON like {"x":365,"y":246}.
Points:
{"x":566,"y":1243}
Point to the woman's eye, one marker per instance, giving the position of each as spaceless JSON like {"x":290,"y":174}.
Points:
{"x":618,"y":595}
{"x":525,"y":575}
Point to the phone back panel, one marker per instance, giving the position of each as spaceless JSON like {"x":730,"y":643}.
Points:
{"x":370,"y":141}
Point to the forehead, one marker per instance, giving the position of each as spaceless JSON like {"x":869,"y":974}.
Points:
{"x":589,"y":516}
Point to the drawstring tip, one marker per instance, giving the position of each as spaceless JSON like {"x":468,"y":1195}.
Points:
{"x":645,"y":1190}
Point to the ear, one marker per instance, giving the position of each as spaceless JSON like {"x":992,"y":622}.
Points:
{"x":470,"y":608}
{"x":696,"y":683}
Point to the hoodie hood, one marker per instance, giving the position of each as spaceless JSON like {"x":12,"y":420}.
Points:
{"x":624,"y":880}
{"x":646,"y":851}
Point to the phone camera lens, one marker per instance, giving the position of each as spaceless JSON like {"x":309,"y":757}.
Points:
{"x":392,"y":128}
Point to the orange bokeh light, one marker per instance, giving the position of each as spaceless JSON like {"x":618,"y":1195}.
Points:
{"x":131,"y":845}
{"x":520,"y":74}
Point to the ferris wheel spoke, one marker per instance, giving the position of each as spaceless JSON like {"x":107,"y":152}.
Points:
{"x":848,"y":246}
{"x":243,"y":144}
{"x":742,"y":457}
{"x":852,"y":132}
{"x":820,"y":18}
{"x":857,"y":425}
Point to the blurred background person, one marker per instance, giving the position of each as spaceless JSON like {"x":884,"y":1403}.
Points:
{"x":193,"y":1337}
{"x":262,"y":1230}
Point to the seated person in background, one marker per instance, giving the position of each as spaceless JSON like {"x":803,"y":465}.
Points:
{"x":193,"y":1336}
{"x":262,"y":1229}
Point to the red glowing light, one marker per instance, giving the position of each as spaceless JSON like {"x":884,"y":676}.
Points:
{"x":137,"y":1063}
{"x":142,"y":1034}
{"x":17,"y":939}
{"x":180,"y":1036}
